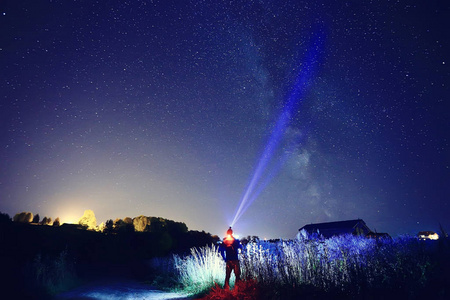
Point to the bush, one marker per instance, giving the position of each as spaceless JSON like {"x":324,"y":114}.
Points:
{"x":163,"y":273}
{"x":53,"y":274}
{"x":201,"y":270}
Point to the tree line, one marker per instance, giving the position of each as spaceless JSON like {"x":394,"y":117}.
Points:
{"x":28,"y":217}
{"x":88,"y":222}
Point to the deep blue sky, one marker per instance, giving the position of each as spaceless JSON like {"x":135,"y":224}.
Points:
{"x":163,"y":108}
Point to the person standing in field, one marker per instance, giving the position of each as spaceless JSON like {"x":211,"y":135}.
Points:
{"x":229,"y":249}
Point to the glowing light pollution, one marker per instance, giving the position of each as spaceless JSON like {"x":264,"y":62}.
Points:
{"x":300,"y":85}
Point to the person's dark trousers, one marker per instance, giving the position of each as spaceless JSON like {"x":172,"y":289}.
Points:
{"x":232,"y":265}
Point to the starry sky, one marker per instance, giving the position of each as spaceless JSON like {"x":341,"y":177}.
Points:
{"x":164,"y":108}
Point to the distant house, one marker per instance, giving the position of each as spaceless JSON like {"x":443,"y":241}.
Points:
{"x":327,"y":230}
{"x":68,"y":226}
{"x":428,"y":235}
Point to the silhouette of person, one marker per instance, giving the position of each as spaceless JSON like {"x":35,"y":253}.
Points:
{"x":229,"y":249}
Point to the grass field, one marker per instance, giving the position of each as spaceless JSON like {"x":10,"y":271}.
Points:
{"x":344,"y":267}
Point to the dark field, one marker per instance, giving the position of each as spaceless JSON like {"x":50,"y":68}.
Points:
{"x":45,"y":262}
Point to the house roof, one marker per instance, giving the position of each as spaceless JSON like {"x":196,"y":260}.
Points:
{"x":336,"y":228}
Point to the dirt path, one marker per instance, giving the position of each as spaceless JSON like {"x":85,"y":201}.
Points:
{"x":122,"y":289}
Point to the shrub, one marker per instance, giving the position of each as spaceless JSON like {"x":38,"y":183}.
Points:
{"x":201,"y":270}
{"x":163,"y":273}
{"x":53,"y":274}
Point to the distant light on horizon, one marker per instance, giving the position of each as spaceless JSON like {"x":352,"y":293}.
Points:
{"x":428,"y":235}
{"x":69,"y":220}
{"x":70,"y":213}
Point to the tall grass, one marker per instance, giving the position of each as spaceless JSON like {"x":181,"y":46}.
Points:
{"x":199,"y":271}
{"x":348,"y":265}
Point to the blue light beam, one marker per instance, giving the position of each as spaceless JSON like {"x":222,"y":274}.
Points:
{"x":262,"y":185}
{"x":299,"y":88}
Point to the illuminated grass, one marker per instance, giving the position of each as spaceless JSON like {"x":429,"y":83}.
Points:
{"x":201,"y":270}
{"x":346,"y":265}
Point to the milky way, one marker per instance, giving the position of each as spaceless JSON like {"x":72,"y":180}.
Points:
{"x":163,"y":108}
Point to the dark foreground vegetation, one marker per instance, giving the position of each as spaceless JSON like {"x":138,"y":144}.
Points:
{"x":40,"y":261}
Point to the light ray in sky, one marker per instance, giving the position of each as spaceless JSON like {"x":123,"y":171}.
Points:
{"x":300,"y":87}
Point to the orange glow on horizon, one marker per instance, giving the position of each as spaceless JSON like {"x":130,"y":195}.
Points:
{"x":70,"y":215}
{"x":69,"y":220}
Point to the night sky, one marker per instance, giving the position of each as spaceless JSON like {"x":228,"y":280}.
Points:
{"x":164,"y":108}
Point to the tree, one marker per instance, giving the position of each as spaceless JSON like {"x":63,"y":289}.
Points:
{"x":176,"y":228}
{"x":120,"y":226}
{"x":46,"y":221}
{"x":128,"y":224}
{"x":118,"y":223}
{"x":109,"y":226}
{"x":23,"y":217}
{"x":56,"y":223}
{"x":88,"y":219}
{"x":141,"y":223}
{"x":101,"y":227}
{"x":4,"y":218}
{"x":158,"y":224}
{"x":36,"y":219}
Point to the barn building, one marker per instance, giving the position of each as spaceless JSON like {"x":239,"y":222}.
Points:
{"x":327,"y":230}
